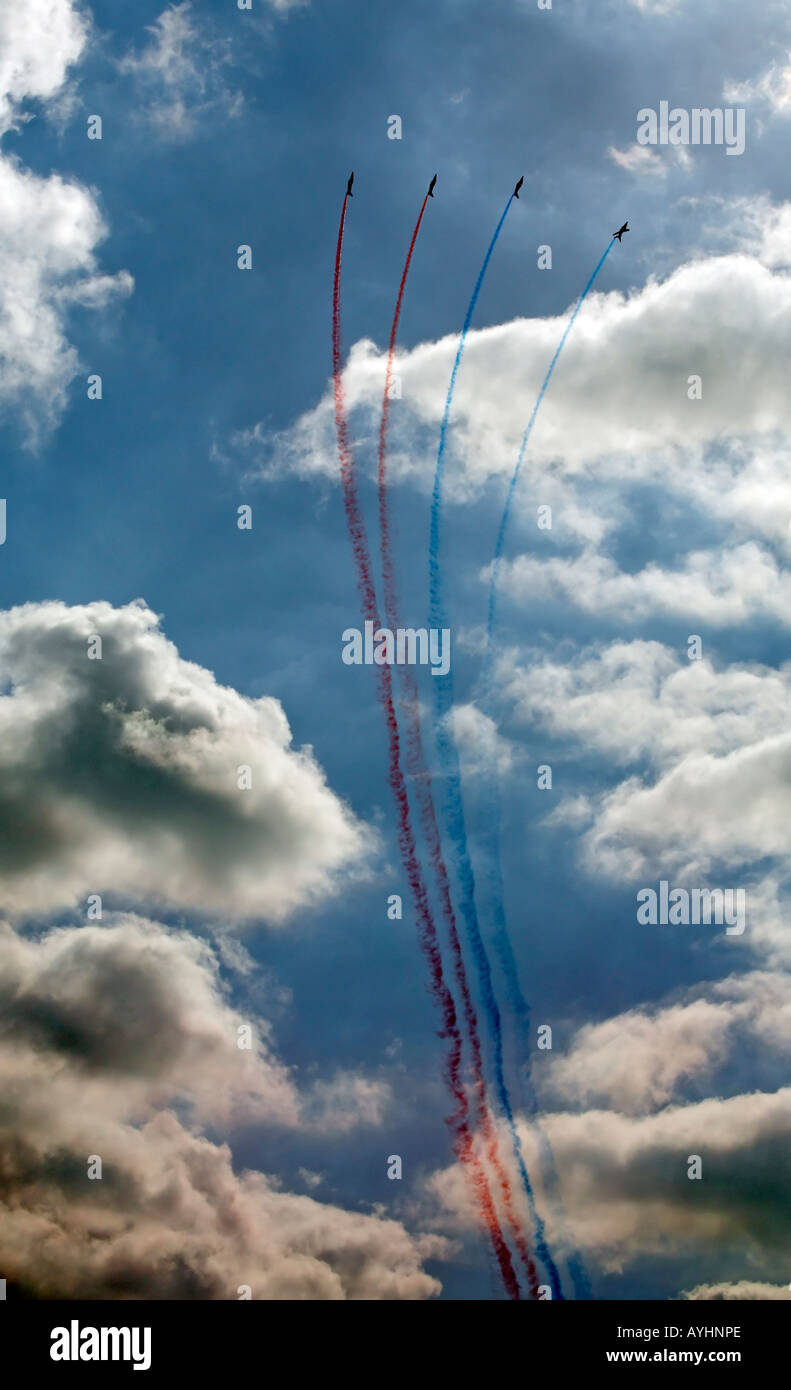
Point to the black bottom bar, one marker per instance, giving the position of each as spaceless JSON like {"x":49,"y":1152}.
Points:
{"x":363,"y":1340}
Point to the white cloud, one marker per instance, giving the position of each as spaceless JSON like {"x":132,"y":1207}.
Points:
{"x":618,"y":415}
{"x":181,"y":73}
{"x":120,"y":776}
{"x":480,"y":746}
{"x":634,"y":1061}
{"x":49,"y":227}
{"x":772,"y":230}
{"x":640,"y":1060}
{"x":726,"y":811}
{"x":657,"y":6}
{"x":720,"y":589}
{"x":639,"y":159}
{"x":637,"y":700}
{"x":770,"y":913}
{"x":753,"y":226}
{"x":128,"y":1014}
{"x":718,"y":742}
{"x":173,"y":1220}
{"x":345,"y":1101}
{"x":574,"y":811}
{"x":39,"y":42}
{"x":771,"y":89}
{"x":745,"y":1290}
{"x":619,"y":399}
{"x":632,"y":700}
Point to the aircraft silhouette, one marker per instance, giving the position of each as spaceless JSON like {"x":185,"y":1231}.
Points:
{"x":621,"y":230}
{"x":515,"y":193}
{"x":349,"y":193}
{"x":431,"y":187}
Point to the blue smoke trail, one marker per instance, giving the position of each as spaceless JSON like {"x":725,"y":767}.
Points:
{"x":521,"y":1010}
{"x":452,"y":804}
{"x":435,"y":582}
{"x":491,"y":816}
{"x":523,"y":446}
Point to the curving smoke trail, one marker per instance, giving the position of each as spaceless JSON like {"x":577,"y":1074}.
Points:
{"x":427,"y":933}
{"x":498,"y":550}
{"x":491,"y":820}
{"x":453,"y":806}
{"x":418,"y":770}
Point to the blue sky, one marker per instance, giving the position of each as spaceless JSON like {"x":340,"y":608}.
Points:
{"x":670,"y":518}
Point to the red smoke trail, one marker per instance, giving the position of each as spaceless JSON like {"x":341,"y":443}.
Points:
{"x":418,"y":769}
{"x":427,"y":932}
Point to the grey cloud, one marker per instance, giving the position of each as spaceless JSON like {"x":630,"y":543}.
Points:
{"x":132,"y":1013}
{"x":117,"y":1041}
{"x":626,"y":1194}
{"x":626,"y":1190}
{"x":120,"y":775}
{"x":174,"y":1221}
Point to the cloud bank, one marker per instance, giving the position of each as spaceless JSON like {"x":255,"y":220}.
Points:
{"x":117,"y":1043}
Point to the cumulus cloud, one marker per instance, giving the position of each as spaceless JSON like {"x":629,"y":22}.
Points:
{"x":172,"y":1220}
{"x":640,"y":1060}
{"x":117,"y":1042}
{"x":711,"y":788}
{"x":638,"y":699}
{"x":119,"y":1018}
{"x":180,"y":73}
{"x":121,"y":775}
{"x":718,"y":742}
{"x":129,"y":1012}
{"x":619,"y":415}
{"x":626,"y":1193}
{"x":626,"y":1187}
{"x":705,"y":810}
{"x":770,"y":912}
{"x":754,"y":226}
{"x":621,"y":398}
{"x":634,"y":1061}
{"x":39,"y":42}
{"x":721,"y":589}
{"x":745,"y":1290}
{"x":49,"y":227}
